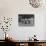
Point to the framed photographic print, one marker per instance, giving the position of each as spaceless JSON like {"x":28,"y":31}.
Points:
{"x":26,"y":19}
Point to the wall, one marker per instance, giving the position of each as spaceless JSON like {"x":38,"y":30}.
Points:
{"x":11,"y":8}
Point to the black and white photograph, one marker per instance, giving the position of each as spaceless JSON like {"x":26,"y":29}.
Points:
{"x":26,"y":19}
